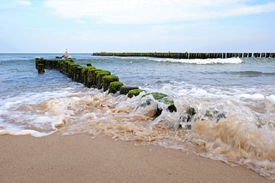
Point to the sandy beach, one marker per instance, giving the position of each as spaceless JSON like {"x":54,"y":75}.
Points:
{"x":80,"y":158}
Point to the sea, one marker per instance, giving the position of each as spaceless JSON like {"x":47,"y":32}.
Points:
{"x":232,"y":104}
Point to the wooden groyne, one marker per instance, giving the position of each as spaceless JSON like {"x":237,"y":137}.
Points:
{"x":188,"y":55}
{"x":92,"y":77}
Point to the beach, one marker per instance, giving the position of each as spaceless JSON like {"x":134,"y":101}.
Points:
{"x":137,"y":91}
{"x":82,"y":158}
{"x":53,"y":129}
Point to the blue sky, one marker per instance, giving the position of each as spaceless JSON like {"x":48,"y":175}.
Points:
{"x":86,"y":26}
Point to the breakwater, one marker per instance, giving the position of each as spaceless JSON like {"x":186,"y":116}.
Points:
{"x":187,"y":55}
{"x":92,"y":77}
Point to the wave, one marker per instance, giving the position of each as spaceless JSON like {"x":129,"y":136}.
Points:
{"x":222,"y":126}
{"x":191,"y":61}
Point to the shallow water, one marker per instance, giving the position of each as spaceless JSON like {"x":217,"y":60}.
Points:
{"x":233,"y":99}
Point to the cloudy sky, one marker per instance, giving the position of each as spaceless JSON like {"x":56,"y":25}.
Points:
{"x":86,"y":26}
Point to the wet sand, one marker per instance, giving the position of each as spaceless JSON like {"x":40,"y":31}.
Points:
{"x":80,"y":158}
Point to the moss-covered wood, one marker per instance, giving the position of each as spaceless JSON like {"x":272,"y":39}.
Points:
{"x":156,"y":95}
{"x":70,"y":59}
{"x":73,"y":71}
{"x":190,"y":113}
{"x":40,"y":68}
{"x":107,"y":80}
{"x":125,"y":89}
{"x":39,"y":61}
{"x":99,"y":77}
{"x":256,"y":55}
{"x":151,"y":54}
{"x":86,"y":75}
{"x":134,"y":93}
{"x":91,"y":77}
{"x":115,"y":86}
{"x":78,"y":73}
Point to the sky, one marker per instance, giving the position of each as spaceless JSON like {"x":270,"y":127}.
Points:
{"x":87,"y":26}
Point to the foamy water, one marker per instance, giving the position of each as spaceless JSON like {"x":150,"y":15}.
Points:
{"x":234,"y":107}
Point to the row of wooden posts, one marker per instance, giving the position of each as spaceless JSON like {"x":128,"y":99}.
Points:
{"x":88,"y":75}
{"x":188,"y":55}
{"x":98,"y":78}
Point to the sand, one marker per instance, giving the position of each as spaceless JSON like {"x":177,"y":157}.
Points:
{"x":80,"y":158}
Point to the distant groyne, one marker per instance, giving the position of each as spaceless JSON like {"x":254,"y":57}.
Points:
{"x":188,"y":55}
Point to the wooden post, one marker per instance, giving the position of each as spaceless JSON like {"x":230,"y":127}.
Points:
{"x":40,"y":68}
{"x":256,"y":55}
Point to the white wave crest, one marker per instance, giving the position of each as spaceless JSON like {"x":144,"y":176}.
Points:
{"x":200,"y":61}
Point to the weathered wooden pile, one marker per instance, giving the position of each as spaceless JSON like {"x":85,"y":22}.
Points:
{"x":187,"y":55}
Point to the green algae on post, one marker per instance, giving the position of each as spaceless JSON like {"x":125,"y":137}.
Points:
{"x":40,"y":68}
{"x":125,"y":89}
{"x":208,"y":114}
{"x":115,"y":86}
{"x":92,"y":81}
{"x":99,"y":77}
{"x":191,"y":112}
{"x":107,"y":80}
{"x":134,"y":93}
{"x":156,"y":95}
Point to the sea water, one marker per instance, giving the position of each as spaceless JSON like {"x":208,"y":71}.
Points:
{"x":233,"y":100}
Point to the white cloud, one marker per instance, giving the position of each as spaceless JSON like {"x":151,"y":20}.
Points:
{"x":81,"y":21}
{"x":24,"y":2}
{"x":154,"y":11}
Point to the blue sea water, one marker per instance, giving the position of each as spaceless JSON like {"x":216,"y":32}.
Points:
{"x":239,"y":93}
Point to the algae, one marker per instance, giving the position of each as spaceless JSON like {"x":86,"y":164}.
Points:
{"x":125,"y":89}
{"x":156,"y":95}
{"x":191,"y":112}
{"x":115,"y":86}
{"x":208,"y":114}
{"x":107,"y":80}
{"x":135,"y":92}
{"x":102,"y":72}
{"x":99,"y":77}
